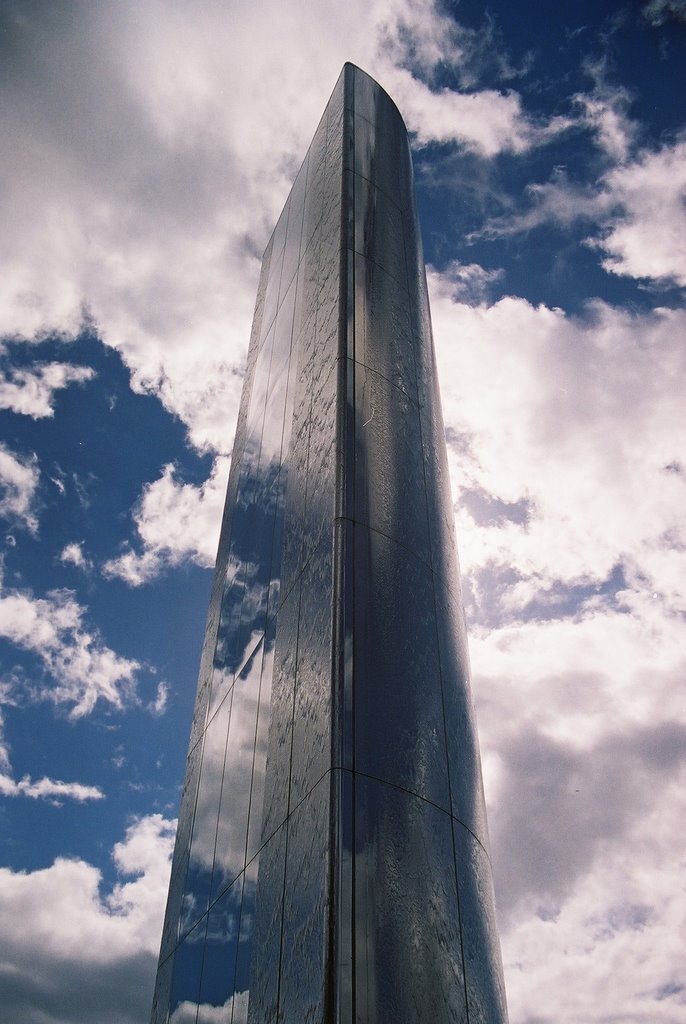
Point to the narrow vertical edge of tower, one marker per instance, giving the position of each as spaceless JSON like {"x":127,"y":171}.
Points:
{"x":415,"y":915}
{"x":331,"y":861}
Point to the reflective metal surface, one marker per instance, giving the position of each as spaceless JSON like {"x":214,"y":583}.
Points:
{"x":332,"y":859}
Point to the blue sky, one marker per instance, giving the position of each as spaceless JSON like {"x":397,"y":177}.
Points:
{"x":147,"y":151}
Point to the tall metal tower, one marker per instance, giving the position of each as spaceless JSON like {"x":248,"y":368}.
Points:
{"x":331,"y":862}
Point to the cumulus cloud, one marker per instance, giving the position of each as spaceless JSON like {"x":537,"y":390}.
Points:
{"x":18,"y":484}
{"x":575,"y":421}
{"x":601,"y":685}
{"x":175,"y":522}
{"x":620,"y":931}
{"x":564,"y":444}
{"x":81,"y":669}
{"x":170,"y":153}
{"x":584,"y":737}
{"x":75,"y":937}
{"x":31,"y":392}
{"x":647,"y":238}
{"x":170,"y":160}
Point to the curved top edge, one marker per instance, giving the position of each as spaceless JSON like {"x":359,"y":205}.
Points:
{"x":350,"y":69}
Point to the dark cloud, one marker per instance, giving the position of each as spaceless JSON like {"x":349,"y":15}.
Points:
{"x":489,"y":510}
{"x":489,"y":589}
{"x":35,"y":992}
{"x":562,"y":807}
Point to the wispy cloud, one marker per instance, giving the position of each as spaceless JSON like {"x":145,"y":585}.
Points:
{"x":605,"y":110}
{"x":637,"y":209}
{"x":657,"y":12}
{"x":159,"y":705}
{"x":423,"y":39}
{"x":52,"y":789}
{"x":558,"y":201}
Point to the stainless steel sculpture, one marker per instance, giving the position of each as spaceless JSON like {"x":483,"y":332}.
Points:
{"x":331,"y":861}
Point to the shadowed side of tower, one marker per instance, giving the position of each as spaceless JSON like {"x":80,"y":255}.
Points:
{"x":331,"y":862}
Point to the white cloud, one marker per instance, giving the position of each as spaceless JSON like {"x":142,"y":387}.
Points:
{"x":569,"y":691}
{"x":421,"y":36}
{"x":82,"y":669}
{"x":51,"y":789}
{"x":171,"y":158}
{"x":18,"y":484}
{"x":469,"y":282}
{"x":488,"y":122}
{"x":637,"y":208}
{"x":72,"y":554}
{"x":76,"y":939}
{"x":578,"y":420}
{"x":584,"y":737}
{"x":159,"y":705}
{"x":647,"y":239}
{"x":175,"y":522}
{"x":606,"y":111}
{"x":55,"y":791}
{"x":31,"y":392}
{"x":204,"y":1013}
{"x":558,"y":201}
{"x":170,"y":154}
{"x":6,"y":698}
{"x":621,"y":931}
{"x":566,"y":444}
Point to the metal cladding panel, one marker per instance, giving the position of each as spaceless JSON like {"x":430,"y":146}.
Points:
{"x":415,"y":777}
{"x":331,"y":861}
